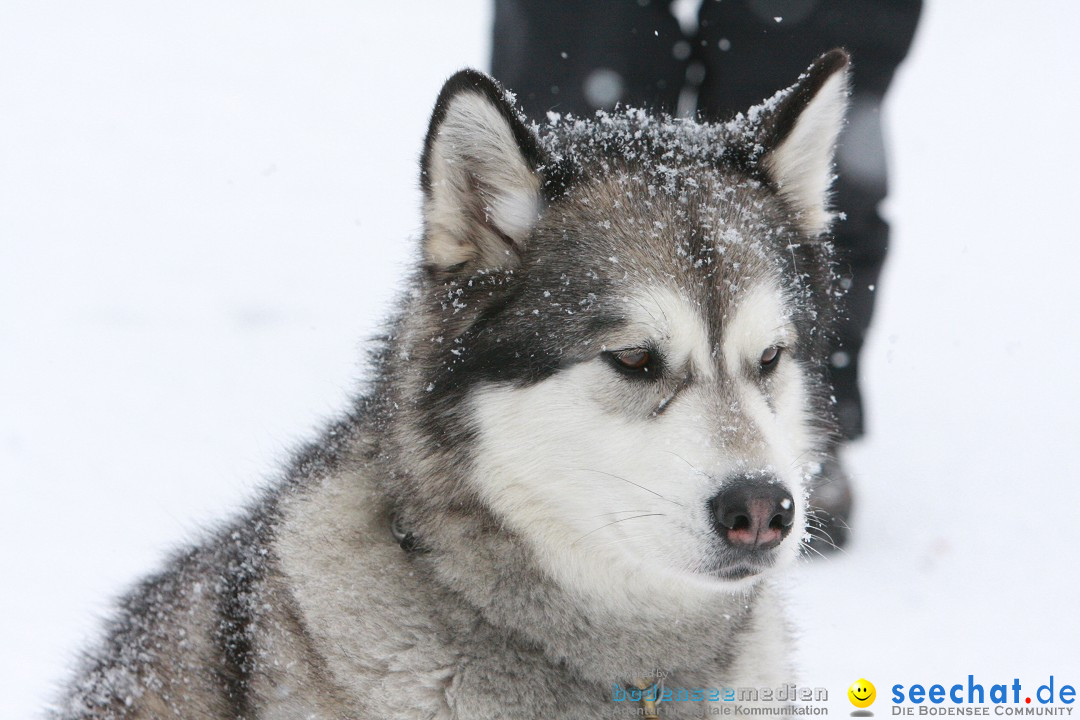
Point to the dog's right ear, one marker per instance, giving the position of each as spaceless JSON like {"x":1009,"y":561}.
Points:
{"x":479,"y":173}
{"x":799,"y":137}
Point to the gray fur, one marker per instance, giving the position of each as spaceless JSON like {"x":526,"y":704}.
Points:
{"x":307,"y":607}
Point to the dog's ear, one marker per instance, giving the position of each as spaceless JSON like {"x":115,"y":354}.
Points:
{"x":479,"y":173}
{"x":799,"y":132}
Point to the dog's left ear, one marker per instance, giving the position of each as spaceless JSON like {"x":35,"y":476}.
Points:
{"x":799,"y":136}
{"x":480,"y":176}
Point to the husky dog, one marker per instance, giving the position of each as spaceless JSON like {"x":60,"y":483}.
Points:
{"x":584,"y":451}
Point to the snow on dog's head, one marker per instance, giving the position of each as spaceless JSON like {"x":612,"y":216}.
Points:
{"x":619,"y":337}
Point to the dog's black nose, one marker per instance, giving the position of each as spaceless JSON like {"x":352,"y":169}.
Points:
{"x":754,"y":513}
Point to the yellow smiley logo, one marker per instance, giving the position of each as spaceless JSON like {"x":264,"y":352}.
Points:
{"x":862,"y":693}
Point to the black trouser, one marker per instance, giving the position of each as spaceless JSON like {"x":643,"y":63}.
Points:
{"x":578,"y":56}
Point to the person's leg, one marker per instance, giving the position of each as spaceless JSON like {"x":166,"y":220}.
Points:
{"x":751,"y":48}
{"x":581,"y":56}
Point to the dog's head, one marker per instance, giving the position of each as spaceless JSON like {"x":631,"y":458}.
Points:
{"x":618,"y":332}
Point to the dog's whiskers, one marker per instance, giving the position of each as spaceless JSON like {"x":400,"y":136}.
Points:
{"x":819,"y":533}
{"x":799,"y":457}
{"x":821,"y":519}
{"x":807,"y":549}
{"x":614,"y":522}
{"x":619,"y":512}
{"x":690,"y":464}
{"x":619,"y":477}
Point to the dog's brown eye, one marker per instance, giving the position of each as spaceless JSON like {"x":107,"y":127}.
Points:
{"x":770,"y":357}
{"x":633,"y":359}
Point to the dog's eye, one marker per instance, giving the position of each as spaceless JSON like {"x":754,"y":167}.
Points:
{"x":770,"y":357}
{"x":637,"y":360}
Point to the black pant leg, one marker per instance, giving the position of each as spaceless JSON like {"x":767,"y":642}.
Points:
{"x":748,"y":55}
{"x":577,"y":56}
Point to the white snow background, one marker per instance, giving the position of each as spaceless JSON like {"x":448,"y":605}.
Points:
{"x":205,"y":207}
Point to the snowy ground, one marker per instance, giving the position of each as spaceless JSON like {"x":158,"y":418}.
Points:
{"x":204,"y":206}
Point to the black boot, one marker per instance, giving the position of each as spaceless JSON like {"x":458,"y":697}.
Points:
{"x":830,"y":508}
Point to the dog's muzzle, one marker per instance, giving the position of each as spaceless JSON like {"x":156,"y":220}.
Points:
{"x":753,"y":513}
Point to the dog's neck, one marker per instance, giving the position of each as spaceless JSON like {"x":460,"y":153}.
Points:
{"x":498,"y":573}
